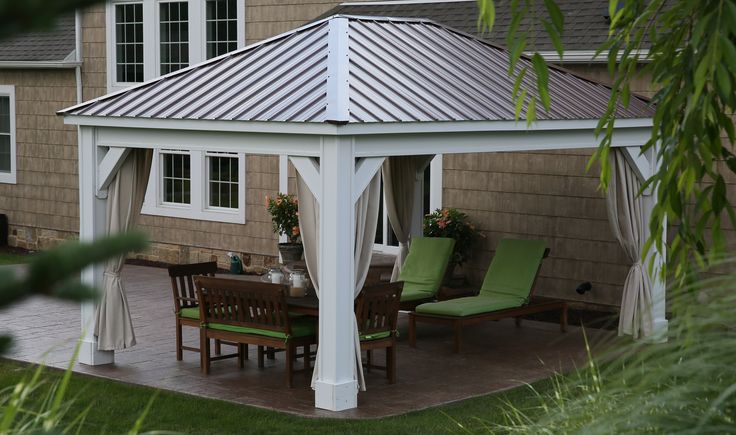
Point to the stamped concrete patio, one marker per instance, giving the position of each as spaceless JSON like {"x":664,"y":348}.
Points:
{"x":496,"y":356}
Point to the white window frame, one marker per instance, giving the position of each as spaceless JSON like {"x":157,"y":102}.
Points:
{"x":10,"y":177}
{"x":151,"y":39}
{"x":435,"y":202}
{"x":207,"y":180}
{"x":198,"y":208}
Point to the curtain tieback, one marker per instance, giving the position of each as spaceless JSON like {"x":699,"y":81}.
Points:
{"x":111,"y":275}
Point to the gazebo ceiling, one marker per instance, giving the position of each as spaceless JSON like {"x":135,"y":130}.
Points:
{"x":349,"y":69}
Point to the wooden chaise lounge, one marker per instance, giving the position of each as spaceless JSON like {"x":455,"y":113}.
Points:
{"x":507,"y":291}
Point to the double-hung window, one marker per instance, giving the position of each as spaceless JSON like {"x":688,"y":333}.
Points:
{"x":197,"y":184}
{"x":150,"y":38}
{"x":7,"y":134}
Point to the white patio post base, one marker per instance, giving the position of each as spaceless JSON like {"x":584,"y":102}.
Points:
{"x":89,"y":355}
{"x":336,"y":397}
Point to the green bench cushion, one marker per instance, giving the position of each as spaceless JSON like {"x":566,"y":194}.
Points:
{"x":189,"y":313}
{"x":375,"y":336}
{"x":300,"y":327}
{"x":425,"y":266}
{"x":513,"y":268}
{"x":469,"y":306}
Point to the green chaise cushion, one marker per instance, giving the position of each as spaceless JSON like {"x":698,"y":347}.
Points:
{"x":425,"y":267}
{"x":300,"y":327}
{"x":513,"y":269}
{"x":189,"y":313}
{"x":469,"y":306}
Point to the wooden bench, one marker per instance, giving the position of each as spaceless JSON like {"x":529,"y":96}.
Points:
{"x":247,"y":312}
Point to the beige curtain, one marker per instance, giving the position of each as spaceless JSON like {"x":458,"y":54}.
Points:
{"x":366,"y":217}
{"x":113,"y":326}
{"x":399,"y":182}
{"x":626,"y":215}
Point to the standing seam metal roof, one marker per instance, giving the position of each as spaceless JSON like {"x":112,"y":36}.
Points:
{"x":397,"y":70}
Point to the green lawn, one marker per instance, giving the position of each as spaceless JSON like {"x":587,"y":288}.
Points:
{"x":12,"y":258}
{"x":115,"y":407}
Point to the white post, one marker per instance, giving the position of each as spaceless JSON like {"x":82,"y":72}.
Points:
{"x":435,"y":182}
{"x":91,"y":227}
{"x":417,"y":212}
{"x":336,"y":388}
{"x":659,"y":285}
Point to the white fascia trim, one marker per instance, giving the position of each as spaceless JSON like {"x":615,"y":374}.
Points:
{"x":316,"y":128}
{"x":39,"y":64}
{"x":338,"y":85}
{"x":326,"y":129}
{"x":586,"y":56}
{"x":482,"y":126}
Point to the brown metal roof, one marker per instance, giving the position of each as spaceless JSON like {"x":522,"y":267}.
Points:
{"x":358,"y":70}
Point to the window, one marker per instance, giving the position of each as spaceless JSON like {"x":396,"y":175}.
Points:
{"x":222,"y":27}
{"x":176,"y":170}
{"x":146,"y":39}
{"x":197,"y":184}
{"x":129,"y":42}
{"x":174,"y":36}
{"x":7,"y":134}
{"x":222,"y":178}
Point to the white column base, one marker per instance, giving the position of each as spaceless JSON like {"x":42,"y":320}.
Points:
{"x":336,"y":397}
{"x":659,"y":333}
{"x":91,"y":356}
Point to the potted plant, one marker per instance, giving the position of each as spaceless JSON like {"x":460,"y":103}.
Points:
{"x":284,"y":211}
{"x":452,"y":223}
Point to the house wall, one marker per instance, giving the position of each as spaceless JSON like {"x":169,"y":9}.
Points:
{"x":43,"y":207}
{"x":545,"y":195}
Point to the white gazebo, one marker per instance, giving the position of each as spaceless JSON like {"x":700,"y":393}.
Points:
{"x":342,"y":97}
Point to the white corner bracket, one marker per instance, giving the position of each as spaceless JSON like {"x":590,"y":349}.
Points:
{"x":108,"y":168}
{"x":308,"y":168}
{"x":365,"y":170}
{"x":641,"y":164}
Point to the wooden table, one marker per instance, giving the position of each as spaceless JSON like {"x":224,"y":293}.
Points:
{"x":308,"y":305}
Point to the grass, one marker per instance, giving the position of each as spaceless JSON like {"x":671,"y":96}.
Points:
{"x":13,"y":258}
{"x":116,"y":406}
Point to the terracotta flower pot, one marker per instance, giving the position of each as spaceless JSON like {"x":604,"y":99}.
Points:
{"x":291,"y":251}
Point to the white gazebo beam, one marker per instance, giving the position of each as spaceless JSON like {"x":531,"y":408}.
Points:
{"x":92,"y":211}
{"x":639,"y":162}
{"x":108,"y":167}
{"x":336,"y":388}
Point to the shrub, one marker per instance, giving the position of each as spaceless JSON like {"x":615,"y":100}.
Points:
{"x":452,"y":223}
{"x":284,"y":211}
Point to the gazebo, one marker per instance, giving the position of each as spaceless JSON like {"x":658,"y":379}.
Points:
{"x":343,"y":98}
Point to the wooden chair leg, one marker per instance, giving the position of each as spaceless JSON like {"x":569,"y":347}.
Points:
{"x":457,"y":326}
{"x":307,"y":352}
{"x":179,"y":355}
{"x":218,"y":347}
{"x":242,"y":351}
{"x":391,"y":364}
{"x":204,"y":350}
{"x":290,"y":365}
{"x":518,"y":321}
{"x":271,"y":353}
{"x":368,"y":361}
{"x":412,"y":330}
{"x":563,"y":319}
{"x":260,"y":357}
{"x":245,"y":351}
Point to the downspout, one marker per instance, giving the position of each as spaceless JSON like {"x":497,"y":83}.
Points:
{"x":78,"y":53}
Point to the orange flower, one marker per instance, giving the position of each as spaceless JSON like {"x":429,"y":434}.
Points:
{"x":441,"y":223}
{"x":295,"y":231}
{"x":279,"y":201}
{"x":445,"y":212}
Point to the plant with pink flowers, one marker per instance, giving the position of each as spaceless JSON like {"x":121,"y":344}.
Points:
{"x":452,"y":223}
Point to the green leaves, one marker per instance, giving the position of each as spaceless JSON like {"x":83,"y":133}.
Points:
{"x":486,"y":14}
{"x":540,"y":67}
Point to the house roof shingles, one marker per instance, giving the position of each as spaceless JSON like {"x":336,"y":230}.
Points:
{"x":398,"y":70}
{"x":586,"y":26}
{"x":54,"y":45}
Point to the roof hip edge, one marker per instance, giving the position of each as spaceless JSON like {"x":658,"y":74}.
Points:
{"x":338,"y":87}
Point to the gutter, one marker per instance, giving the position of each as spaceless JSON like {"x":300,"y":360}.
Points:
{"x":586,"y":56}
{"x":78,"y":52}
{"x":40,"y":64}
